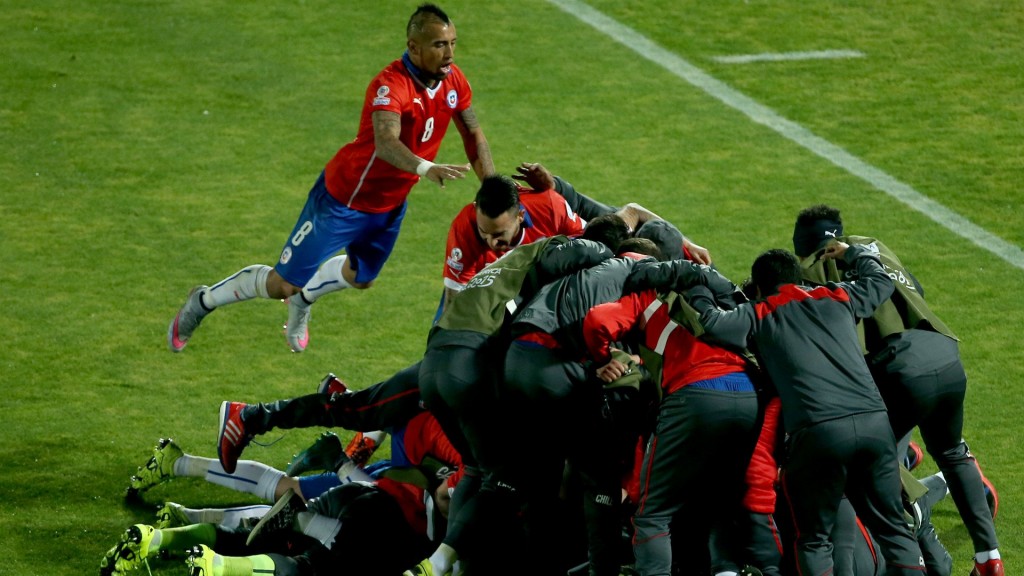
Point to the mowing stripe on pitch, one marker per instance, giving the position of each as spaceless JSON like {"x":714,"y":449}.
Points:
{"x":793,"y":131}
{"x":788,"y":56}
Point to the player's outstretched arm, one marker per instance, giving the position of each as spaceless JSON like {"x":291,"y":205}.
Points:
{"x":535,"y":175}
{"x":478,"y":151}
{"x":386,"y":130}
{"x":635,"y":215}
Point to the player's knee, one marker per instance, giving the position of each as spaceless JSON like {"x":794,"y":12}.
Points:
{"x":279,"y":288}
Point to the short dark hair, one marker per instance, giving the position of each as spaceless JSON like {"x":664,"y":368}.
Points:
{"x":422,"y":14}
{"x":775,"y":268}
{"x":814,"y":226}
{"x":608,"y":229}
{"x":497,"y":194}
{"x":818,"y":212}
{"x":641,"y":246}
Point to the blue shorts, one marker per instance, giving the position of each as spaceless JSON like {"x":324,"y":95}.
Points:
{"x":326,"y":227}
{"x":399,"y":457}
{"x":313,"y":485}
{"x":316,"y":484}
{"x":735,"y":382}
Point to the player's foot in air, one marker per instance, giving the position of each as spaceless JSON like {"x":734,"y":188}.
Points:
{"x":991,"y":496}
{"x":332,"y":385}
{"x":363,"y":445}
{"x":326,"y":453}
{"x":914,"y":456}
{"x":232,"y":438}
{"x":157,"y":469}
{"x":187,"y":320}
{"x":280,"y":517}
{"x":296,"y":331}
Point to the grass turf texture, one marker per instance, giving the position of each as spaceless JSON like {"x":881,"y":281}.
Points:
{"x":151,"y":146}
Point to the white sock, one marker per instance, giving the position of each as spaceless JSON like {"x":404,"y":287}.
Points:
{"x":443,"y":559}
{"x":248,"y":283}
{"x":189,"y":466}
{"x":322,"y":528}
{"x":326,"y":280}
{"x":204,"y":515}
{"x":266,"y":488}
{"x":377,"y":436}
{"x":194,"y":516}
{"x":982,"y":557}
{"x":250,"y":477}
{"x":198,"y":516}
{"x":432,"y":529}
{"x":231,"y":517}
{"x":349,"y":472}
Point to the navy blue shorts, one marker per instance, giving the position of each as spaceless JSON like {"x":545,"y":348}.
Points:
{"x":326,"y":227}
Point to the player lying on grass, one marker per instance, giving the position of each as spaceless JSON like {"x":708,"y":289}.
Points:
{"x":342,"y":527}
{"x":423,"y":462}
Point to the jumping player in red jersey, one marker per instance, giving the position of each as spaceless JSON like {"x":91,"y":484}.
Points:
{"x":359,"y":201}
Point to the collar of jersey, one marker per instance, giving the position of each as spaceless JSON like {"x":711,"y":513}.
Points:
{"x":418,"y":74}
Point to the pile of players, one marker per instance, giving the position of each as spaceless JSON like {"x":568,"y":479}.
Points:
{"x":593,"y":397}
{"x":598,"y":354}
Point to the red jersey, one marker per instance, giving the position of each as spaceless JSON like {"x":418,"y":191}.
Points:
{"x":424,"y":437}
{"x":688,"y":359}
{"x":546,"y":214}
{"x":763,"y":468}
{"x":355,"y":176}
{"x":410,"y":499}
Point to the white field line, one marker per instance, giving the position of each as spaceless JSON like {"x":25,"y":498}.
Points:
{"x":788,"y":56}
{"x":767,"y":117}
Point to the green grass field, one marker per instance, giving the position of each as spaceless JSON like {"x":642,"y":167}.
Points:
{"x":151,"y":146}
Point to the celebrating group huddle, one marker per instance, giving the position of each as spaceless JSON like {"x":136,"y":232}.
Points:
{"x":594,"y":396}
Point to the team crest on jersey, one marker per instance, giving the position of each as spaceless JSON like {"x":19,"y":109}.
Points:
{"x":286,"y":254}
{"x":455,"y":260}
{"x":453,"y":98}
